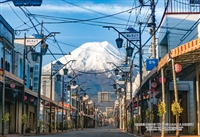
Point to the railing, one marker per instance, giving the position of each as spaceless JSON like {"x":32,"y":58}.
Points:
{"x":183,"y":6}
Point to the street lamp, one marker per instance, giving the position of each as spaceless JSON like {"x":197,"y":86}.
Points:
{"x":67,"y":85}
{"x":58,"y":77}
{"x":130,"y":50}
{"x":35,"y":56}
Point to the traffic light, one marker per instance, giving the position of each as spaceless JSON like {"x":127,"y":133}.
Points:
{"x":27,"y":2}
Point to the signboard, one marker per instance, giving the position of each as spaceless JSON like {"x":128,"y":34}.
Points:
{"x":151,"y":63}
{"x":125,"y":68}
{"x":27,"y":2}
{"x":35,"y":77}
{"x":194,"y":2}
{"x":57,"y":66}
{"x":29,"y":41}
{"x":32,"y":41}
{"x":132,"y":36}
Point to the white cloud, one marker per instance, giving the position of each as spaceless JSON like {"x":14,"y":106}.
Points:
{"x":65,"y":8}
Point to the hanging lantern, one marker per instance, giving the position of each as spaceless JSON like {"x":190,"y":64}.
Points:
{"x":153,"y":84}
{"x":74,"y":83}
{"x":114,"y":86}
{"x":34,"y":55}
{"x":65,"y":70}
{"x":58,"y":77}
{"x":129,"y":51}
{"x":160,"y":80}
{"x":152,"y":90}
{"x":119,"y":42}
{"x":116,"y":71}
{"x":119,"y":90}
{"x":25,"y":97}
{"x":178,"y":68}
{"x":31,"y":99}
{"x":123,"y":77}
{"x":135,"y":105}
{"x":84,"y":94}
{"x":48,"y":104}
{"x":68,"y":87}
{"x":44,"y":48}
{"x":12,"y":85}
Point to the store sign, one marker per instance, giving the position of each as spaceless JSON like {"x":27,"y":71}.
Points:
{"x":32,"y":41}
{"x":36,"y":77}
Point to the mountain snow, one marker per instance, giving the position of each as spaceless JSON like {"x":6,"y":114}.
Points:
{"x":92,"y":61}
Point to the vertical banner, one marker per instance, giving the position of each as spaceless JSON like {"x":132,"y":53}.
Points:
{"x":35,"y":77}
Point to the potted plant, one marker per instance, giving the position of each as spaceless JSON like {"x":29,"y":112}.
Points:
{"x":161,"y":113}
{"x":5,"y":119}
{"x":138,"y":120}
{"x":129,"y":124}
{"x":177,"y":110}
{"x":150,"y":117}
{"x":24,"y":119}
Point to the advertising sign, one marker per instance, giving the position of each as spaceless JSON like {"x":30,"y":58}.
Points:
{"x":35,"y":77}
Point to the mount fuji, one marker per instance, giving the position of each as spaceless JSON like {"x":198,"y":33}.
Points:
{"x":92,"y":62}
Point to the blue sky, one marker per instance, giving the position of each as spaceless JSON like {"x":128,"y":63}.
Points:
{"x":66,"y":17}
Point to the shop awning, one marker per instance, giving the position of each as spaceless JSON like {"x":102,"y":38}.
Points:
{"x":185,"y":54}
{"x":149,"y":75}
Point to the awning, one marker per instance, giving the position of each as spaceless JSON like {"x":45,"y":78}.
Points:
{"x":35,"y":94}
{"x":185,"y":54}
{"x":149,"y":75}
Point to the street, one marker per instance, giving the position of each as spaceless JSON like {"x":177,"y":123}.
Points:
{"x":107,"y":131}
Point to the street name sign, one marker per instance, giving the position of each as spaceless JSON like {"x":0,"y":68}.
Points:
{"x":151,"y":63}
{"x":132,"y":36}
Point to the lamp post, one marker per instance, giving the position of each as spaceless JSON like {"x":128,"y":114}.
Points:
{"x":35,"y":55}
{"x":119,"y":43}
{"x":43,"y":50}
{"x":68,"y":87}
{"x":125,"y":76}
{"x":65,"y":71}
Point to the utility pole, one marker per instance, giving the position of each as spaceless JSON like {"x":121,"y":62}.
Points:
{"x":24,"y":75}
{"x":39,"y":87}
{"x":153,"y":25}
{"x":125,"y":84}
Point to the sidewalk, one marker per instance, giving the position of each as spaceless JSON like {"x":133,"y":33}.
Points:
{"x":33,"y":134}
{"x":41,"y":134}
{"x":157,"y":134}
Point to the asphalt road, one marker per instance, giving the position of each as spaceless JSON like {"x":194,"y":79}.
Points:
{"x":107,"y":131}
